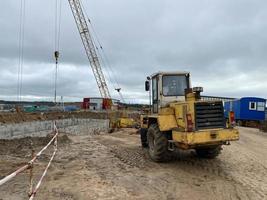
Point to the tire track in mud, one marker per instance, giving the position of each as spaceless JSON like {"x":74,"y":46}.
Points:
{"x":240,"y":164}
{"x":131,"y":156}
{"x":247,"y":170}
{"x":229,"y":171}
{"x":231,"y":174}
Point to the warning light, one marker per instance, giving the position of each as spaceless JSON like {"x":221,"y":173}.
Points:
{"x":189,"y":122}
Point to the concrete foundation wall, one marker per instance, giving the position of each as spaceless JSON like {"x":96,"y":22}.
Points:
{"x":42,"y":128}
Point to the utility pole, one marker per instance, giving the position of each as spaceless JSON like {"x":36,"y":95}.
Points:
{"x":62,"y":103}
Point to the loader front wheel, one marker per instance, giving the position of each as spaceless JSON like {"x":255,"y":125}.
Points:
{"x":210,"y":153}
{"x":157,"y":144}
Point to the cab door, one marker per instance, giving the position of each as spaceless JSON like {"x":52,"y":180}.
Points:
{"x":155,"y":98}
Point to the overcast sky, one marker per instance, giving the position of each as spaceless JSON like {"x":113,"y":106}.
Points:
{"x":223,"y":43}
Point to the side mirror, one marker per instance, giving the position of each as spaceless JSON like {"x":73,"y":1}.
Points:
{"x":147,"y":86}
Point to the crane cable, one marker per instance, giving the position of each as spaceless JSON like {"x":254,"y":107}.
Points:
{"x":58,"y":12}
{"x":110,"y":71}
{"x":95,"y":41}
{"x":21,"y":48}
{"x":104,"y":57}
{"x":107,"y":63}
{"x":58,"y":6}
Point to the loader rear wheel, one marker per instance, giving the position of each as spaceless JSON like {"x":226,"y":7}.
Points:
{"x":143,"y":135}
{"x":211,"y":152}
{"x":158,"y":144}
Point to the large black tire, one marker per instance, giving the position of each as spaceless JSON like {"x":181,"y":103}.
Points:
{"x":143,"y":136}
{"x":158,"y":144}
{"x":210,"y":153}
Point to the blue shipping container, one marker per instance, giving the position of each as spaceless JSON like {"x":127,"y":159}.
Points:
{"x":246,"y":108}
{"x":71,"y":108}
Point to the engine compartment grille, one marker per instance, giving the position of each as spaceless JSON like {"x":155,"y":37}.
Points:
{"x":209,"y":115}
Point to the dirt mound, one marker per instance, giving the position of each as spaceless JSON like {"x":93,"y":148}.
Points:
{"x":63,"y":139}
{"x":23,"y":146}
{"x":7,"y":118}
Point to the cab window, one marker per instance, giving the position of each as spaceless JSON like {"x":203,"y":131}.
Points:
{"x":174,"y":85}
{"x":155,"y":88}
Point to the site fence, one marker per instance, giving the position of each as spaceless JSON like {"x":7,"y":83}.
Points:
{"x":29,"y":165}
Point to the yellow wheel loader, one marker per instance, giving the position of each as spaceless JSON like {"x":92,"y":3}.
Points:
{"x":180,"y":119}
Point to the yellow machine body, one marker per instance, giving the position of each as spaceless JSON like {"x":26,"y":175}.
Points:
{"x":173,"y":118}
{"x":189,"y":140}
{"x":125,"y":122}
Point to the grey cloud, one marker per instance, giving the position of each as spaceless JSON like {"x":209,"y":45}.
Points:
{"x":222,"y":43}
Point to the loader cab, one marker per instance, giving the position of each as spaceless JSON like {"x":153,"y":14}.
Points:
{"x":167,"y":87}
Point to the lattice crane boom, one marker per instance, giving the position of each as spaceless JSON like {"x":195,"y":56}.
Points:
{"x":89,"y":47}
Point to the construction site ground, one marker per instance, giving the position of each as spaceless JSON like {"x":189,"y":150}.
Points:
{"x":114,"y":166}
{"x":7,"y":118}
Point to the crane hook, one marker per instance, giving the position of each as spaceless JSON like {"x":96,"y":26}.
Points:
{"x":56,"y":54}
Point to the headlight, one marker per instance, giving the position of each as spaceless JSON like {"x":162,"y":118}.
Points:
{"x":197,"y":89}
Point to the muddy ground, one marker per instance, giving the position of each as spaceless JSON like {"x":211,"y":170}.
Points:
{"x":114,"y":166}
